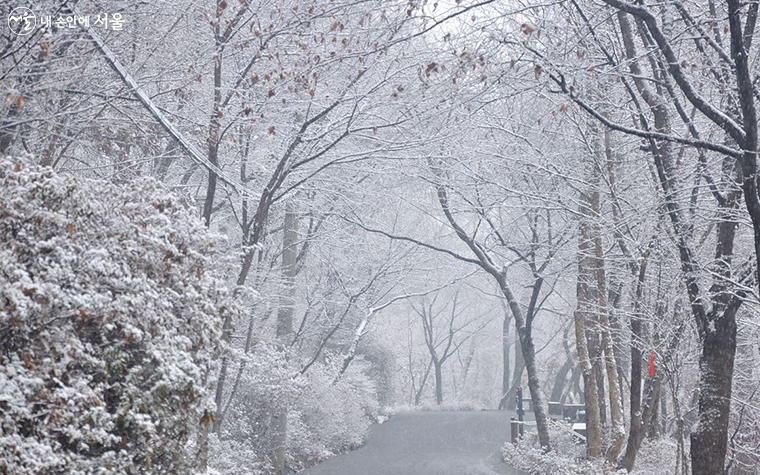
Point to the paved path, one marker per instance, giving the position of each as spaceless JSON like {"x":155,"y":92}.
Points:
{"x":428,"y":443}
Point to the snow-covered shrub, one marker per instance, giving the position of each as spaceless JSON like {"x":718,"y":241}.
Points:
{"x":568,"y":457}
{"x":325,"y":416}
{"x":333,"y":416}
{"x":565,"y":459}
{"x":265,"y":389}
{"x":233,"y":458}
{"x":658,"y":456}
{"x":108,"y":323}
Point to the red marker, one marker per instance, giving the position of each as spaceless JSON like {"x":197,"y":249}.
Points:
{"x":651,"y":365}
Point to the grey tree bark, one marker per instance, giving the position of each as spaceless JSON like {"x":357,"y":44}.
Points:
{"x":635,"y":435}
{"x":505,"y":347}
{"x":560,"y":380}
{"x":617,"y":437}
{"x":511,"y":383}
{"x":285,"y":322}
{"x":585,"y":305}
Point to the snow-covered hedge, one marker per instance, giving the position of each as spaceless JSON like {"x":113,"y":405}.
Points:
{"x":109,"y":320}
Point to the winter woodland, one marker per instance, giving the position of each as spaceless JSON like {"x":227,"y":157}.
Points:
{"x":235,"y":234}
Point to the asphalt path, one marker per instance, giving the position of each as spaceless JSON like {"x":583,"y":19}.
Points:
{"x":428,"y":443}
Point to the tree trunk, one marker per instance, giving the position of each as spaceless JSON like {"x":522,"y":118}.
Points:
{"x":596,"y":355}
{"x":438,"y":382}
{"x":576,"y":385}
{"x":418,"y":393}
{"x":653,"y":431}
{"x":616,"y":326}
{"x":505,"y":347}
{"x":529,"y":355}
{"x":218,"y":397}
{"x":616,"y":410}
{"x":560,"y":380}
{"x":207,"y":207}
{"x":461,"y":386}
{"x":285,"y":323}
{"x":214,"y":122}
{"x":509,"y":401}
{"x":716,"y":368}
{"x":586,"y":302}
{"x":201,"y":462}
{"x":537,"y":398}
{"x":634,"y":436}
{"x":681,"y":459}
{"x":563,"y":384}
{"x":593,"y":426}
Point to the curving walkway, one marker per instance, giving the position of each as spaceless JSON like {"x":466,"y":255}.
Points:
{"x":428,"y":443}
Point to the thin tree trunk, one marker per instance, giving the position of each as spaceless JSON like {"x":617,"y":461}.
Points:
{"x":218,"y":397}
{"x":653,"y":431}
{"x":537,"y":398}
{"x":576,"y":384}
{"x":505,"y":347}
{"x":508,"y":400}
{"x":438,"y":382}
{"x":241,"y":369}
{"x":634,"y":435}
{"x":466,"y":365}
{"x":559,"y":381}
{"x":418,"y":393}
{"x":593,"y":424}
{"x":616,"y":327}
{"x":585,"y":306}
{"x":596,"y":355}
{"x":681,"y":460}
{"x":215,"y":125}
{"x":524,"y":330}
{"x":616,"y":410}
{"x":226,"y":328}
{"x":285,"y":323}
